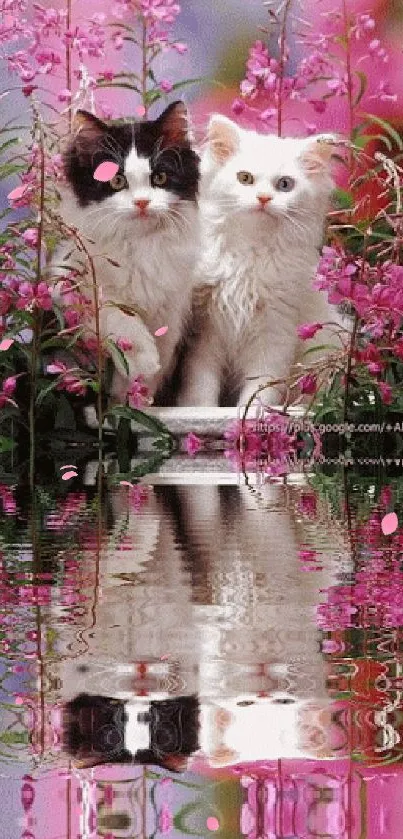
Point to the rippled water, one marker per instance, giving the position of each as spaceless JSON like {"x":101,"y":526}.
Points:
{"x":199,"y":654}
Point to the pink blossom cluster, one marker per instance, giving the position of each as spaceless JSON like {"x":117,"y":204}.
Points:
{"x":159,"y":17}
{"x":43,"y":39}
{"x":138,"y":395}
{"x":8,"y":387}
{"x":321,"y":73}
{"x":71,"y":379}
{"x":375,"y":295}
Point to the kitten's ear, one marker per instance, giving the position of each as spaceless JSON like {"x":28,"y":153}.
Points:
{"x":174,"y":125}
{"x":223,"y":138}
{"x":88,"y":124}
{"x":87,"y":130}
{"x":317,"y":153}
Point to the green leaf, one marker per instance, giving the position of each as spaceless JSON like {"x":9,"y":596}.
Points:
{"x":386,"y":127}
{"x":187,"y":82}
{"x":45,"y":391}
{"x":126,"y":85}
{"x":6,"y":444}
{"x":132,"y":311}
{"x":118,"y":357}
{"x":361,"y":142}
{"x":344,"y":199}
{"x":152,"y":423}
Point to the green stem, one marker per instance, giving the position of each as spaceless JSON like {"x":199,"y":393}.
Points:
{"x":68,"y":59}
{"x":349,"y":72}
{"x":144,"y":71}
{"x":283,"y":36}
{"x":37,"y":319}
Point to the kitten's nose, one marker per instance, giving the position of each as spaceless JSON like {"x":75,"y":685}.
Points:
{"x":264,"y":199}
{"x":142,"y":203}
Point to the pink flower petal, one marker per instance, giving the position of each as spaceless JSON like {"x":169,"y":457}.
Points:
{"x":125,"y":484}
{"x":389,"y":524}
{"x":140,"y":110}
{"x":213,"y":824}
{"x":106,"y":171}
{"x":5,"y":344}
{"x":16,"y":193}
{"x":161,"y":331}
{"x":68,"y":475}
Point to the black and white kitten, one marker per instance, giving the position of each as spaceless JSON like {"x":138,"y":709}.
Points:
{"x":145,"y":219}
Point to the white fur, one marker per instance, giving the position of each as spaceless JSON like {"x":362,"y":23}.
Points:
{"x":156,"y":256}
{"x":257,"y":264}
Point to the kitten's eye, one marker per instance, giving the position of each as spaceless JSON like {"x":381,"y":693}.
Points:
{"x":285,"y":184}
{"x":118,"y":182}
{"x":159,"y":178}
{"x":245,"y":178}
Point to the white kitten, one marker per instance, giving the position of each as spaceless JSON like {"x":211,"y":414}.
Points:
{"x":263,"y":204}
{"x":145,"y":219}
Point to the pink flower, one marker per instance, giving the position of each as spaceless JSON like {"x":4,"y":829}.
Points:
{"x":6,"y":300}
{"x":308,"y":383}
{"x":70,"y":381}
{"x":308,"y":330}
{"x":9,"y":386}
{"x":166,"y":85}
{"x":165,"y":820}
{"x":124,"y":344}
{"x":386,"y":393}
{"x":138,"y":394}
{"x":7,"y":390}
{"x":238,"y":106}
{"x":192,"y":444}
{"x":179,"y":47}
{"x":64,"y":95}
{"x":163,"y":11}
{"x":30,"y":236}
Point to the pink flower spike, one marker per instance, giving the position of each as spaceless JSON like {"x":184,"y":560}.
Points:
{"x":106,"y":171}
{"x":5,"y":344}
{"x":17,"y":193}
{"x":161,"y":331}
{"x":192,"y":444}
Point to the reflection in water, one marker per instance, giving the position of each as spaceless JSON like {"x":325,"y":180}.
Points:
{"x":178,"y":653}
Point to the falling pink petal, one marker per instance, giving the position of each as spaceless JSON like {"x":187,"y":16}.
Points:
{"x":16,"y":193}
{"x":140,"y":110}
{"x":125,"y":484}
{"x":161,"y":331}
{"x":5,"y":344}
{"x":213,"y":824}
{"x":68,"y":475}
{"x":389,"y":524}
{"x":106,"y":171}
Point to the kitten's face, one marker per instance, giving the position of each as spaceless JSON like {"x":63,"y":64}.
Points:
{"x":264,"y":176}
{"x":157,"y":177}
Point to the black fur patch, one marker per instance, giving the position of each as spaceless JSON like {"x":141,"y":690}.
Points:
{"x":96,"y":142}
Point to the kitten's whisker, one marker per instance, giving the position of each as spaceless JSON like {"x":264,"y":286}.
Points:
{"x":176,"y":214}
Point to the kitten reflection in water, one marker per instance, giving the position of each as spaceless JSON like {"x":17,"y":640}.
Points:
{"x":100,"y":729}
{"x":209,"y":600}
